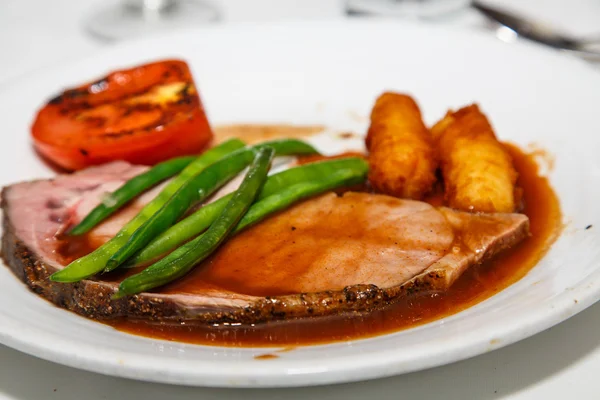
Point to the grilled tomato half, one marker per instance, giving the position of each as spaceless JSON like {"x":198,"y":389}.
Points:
{"x":142,"y":115}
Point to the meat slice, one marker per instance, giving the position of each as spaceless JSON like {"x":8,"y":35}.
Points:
{"x":328,"y":255}
{"x":45,"y":208}
{"x":328,"y":243}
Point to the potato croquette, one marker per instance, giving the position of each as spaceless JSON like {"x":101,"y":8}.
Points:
{"x":402,"y":157}
{"x":478,"y":172}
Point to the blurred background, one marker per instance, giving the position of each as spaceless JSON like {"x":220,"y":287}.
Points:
{"x":38,"y":33}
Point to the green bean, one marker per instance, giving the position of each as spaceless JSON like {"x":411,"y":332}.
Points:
{"x":96,"y":261}
{"x":309,"y":172}
{"x":176,"y":264}
{"x":133,"y":187}
{"x":204,"y":160}
{"x":180,"y":232}
{"x":300,"y":191}
{"x":285,"y":147}
{"x":196,"y":190}
{"x":201,"y":219}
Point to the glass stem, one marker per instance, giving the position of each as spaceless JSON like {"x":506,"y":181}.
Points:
{"x":157,"y":6}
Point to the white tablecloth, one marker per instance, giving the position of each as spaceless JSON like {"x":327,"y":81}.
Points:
{"x":559,"y":363}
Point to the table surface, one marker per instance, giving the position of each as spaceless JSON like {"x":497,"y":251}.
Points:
{"x":560,"y":362}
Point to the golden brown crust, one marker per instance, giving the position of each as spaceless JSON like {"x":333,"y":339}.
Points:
{"x":402,"y":156}
{"x":478,"y":172}
{"x":438,"y":129}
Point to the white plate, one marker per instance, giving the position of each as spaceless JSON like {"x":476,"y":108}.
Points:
{"x":328,"y":73}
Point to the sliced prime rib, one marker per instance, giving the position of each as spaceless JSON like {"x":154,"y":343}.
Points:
{"x":328,"y":255}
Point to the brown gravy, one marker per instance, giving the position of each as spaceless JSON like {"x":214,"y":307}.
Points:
{"x":477,"y":284}
{"x":258,"y":133}
{"x":266,"y":357}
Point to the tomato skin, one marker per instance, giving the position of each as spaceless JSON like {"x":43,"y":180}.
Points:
{"x":143,"y":115}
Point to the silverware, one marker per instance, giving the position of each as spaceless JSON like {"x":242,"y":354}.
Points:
{"x":539,"y":32}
